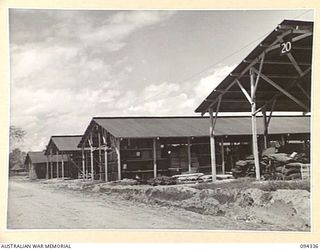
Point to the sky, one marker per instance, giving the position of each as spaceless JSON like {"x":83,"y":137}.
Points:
{"x":67,"y":66}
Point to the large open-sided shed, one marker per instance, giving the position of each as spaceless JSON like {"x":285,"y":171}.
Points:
{"x":275,"y":76}
{"x":69,"y":162}
{"x":145,"y":147}
{"x":37,"y":164}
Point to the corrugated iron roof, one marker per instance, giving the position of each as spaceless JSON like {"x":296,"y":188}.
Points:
{"x":276,"y":67}
{"x":64,"y":143}
{"x":40,"y":157}
{"x":146,"y":127}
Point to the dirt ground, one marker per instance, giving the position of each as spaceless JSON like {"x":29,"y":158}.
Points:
{"x":34,"y":205}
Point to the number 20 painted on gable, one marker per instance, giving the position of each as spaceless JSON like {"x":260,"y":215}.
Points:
{"x":285,"y":47}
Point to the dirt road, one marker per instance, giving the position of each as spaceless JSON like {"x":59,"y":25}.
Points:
{"x":33,"y":205}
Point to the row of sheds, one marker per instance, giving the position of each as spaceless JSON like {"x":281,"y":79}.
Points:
{"x":114,"y":148}
{"x":275,"y":76}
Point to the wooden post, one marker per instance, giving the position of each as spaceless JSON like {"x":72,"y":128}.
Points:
{"x":106,"y":165}
{"x":91,"y":156}
{"x":189,"y":156}
{"x":212,"y":147}
{"x":154,"y":158}
{"x":283,"y":140}
{"x":222,"y":156}
{"x":118,"y":157}
{"x":62,"y":167}
{"x":47,"y":168}
{"x":265,"y":129}
{"x":87,"y":164}
{"x":104,"y":138}
{"x":100,"y":156}
{"x":254,"y":127}
{"x":51,"y":164}
{"x":57,"y":155}
{"x":83,"y":163}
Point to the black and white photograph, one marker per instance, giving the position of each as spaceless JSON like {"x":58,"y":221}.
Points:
{"x":160,"y":119}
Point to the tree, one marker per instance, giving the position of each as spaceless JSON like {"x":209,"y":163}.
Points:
{"x":16,"y":134}
{"x":16,"y":156}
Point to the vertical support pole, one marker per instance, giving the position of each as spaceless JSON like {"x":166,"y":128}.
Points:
{"x":254,"y":126}
{"x":106,"y":165}
{"x":283,"y":140}
{"x":62,"y":167}
{"x":212,"y":147}
{"x":91,"y":157}
{"x":51,"y":164}
{"x":104,"y":137}
{"x":100,"y":156}
{"x":87,"y":163}
{"x":265,"y":129}
{"x":189,"y":156}
{"x":57,"y":155}
{"x":83,"y":163}
{"x":47,"y":168}
{"x":118,"y":157}
{"x":154,"y":158}
{"x":223,"y":165}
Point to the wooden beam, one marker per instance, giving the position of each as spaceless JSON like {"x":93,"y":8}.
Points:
{"x":265,"y":129}
{"x":62,"y":167}
{"x":57,"y":155}
{"x":222,"y":157}
{"x":154,"y":147}
{"x":254,"y":61}
{"x":280,"y":62}
{"x":269,"y":75}
{"x":295,"y":39}
{"x":283,"y":91}
{"x":51,"y":164}
{"x":83,"y":164}
{"x":258,"y":74}
{"x":254,"y":127}
{"x":295,"y":64}
{"x":217,"y":111}
{"x":271,"y":111}
{"x":189,"y":156}
{"x":117,"y":142}
{"x":47,"y":168}
{"x":293,"y":47}
{"x":104,"y":138}
{"x":244,"y":91}
{"x":91,"y":156}
{"x":212,"y":147}
{"x":303,"y":91}
{"x":100,"y":155}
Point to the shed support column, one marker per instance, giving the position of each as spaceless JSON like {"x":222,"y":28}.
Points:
{"x":62,"y":166}
{"x":104,"y":138}
{"x":51,"y":166}
{"x":100,"y":156}
{"x":212,"y":147}
{"x":106,"y":165}
{"x":265,"y":129}
{"x":154,"y":158}
{"x":83,"y":166}
{"x":91,"y":157}
{"x":118,"y":157}
{"x":189,"y":156}
{"x":254,"y":126}
{"x":223,"y":165}
{"x":47,"y":169}
{"x":57,"y":154}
